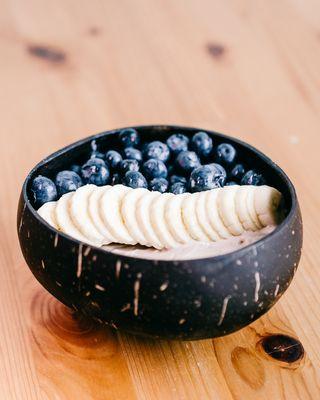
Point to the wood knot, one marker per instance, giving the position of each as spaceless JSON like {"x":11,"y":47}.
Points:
{"x":56,"y":326}
{"x":216,"y":50}
{"x":248,"y":367}
{"x":94,"y":31}
{"x":48,"y":53}
{"x":282,"y":348}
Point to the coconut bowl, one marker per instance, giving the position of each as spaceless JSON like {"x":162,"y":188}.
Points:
{"x":181,"y":299}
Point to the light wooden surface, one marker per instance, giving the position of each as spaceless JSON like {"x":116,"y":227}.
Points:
{"x":70,"y":68}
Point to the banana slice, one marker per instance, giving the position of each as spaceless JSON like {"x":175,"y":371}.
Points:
{"x":203,"y":218}
{"x":242,"y":209}
{"x":266,"y":203}
{"x":213,"y":214}
{"x":251,"y":207}
{"x":119,"y":214}
{"x":79,"y":213}
{"x":94,"y":212}
{"x":47,"y":212}
{"x":227,"y":209}
{"x":173,"y":218}
{"x":129,"y":210}
{"x":110,"y":212}
{"x":144,"y":221}
{"x":190,"y":218}
{"x":158,"y":222}
{"x":62,"y":213}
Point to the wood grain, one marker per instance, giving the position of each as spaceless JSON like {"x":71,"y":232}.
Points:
{"x":72,"y":68}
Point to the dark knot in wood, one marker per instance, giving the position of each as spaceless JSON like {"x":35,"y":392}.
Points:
{"x":283,"y":348}
{"x":48,"y":53}
{"x":216,"y":50}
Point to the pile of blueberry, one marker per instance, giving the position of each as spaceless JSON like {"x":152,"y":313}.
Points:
{"x":177,"y":166}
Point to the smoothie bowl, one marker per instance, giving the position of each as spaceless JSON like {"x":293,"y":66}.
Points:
{"x":165,"y":231}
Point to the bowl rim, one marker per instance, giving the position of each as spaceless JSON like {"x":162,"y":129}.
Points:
{"x":231,"y":255}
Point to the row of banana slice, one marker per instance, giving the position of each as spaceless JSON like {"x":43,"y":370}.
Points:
{"x":119,"y":214}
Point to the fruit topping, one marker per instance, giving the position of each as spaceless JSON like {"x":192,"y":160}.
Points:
{"x":113,"y":159}
{"x":206,"y":177}
{"x":131,"y":215}
{"x":67,"y":181}
{"x":177,"y":143}
{"x":131,"y":153}
{"x":129,"y":137}
{"x":201,"y":143}
{"x":154,"y":168}
{"x":187,"y":161}
{"x":135,"y":179}
{"x":225,"y":154}
{"x":128,"y":165}
{"x":43,"y":190}
{"x":237,"y":172}
{"x":177,"y":178}
{"x":252,"y":178}
{"x":157,"y":150}
{"x":95,"y":171}
{"x":177,"y":165}
{"x":159,"y":185}
{"x":178,"y":188}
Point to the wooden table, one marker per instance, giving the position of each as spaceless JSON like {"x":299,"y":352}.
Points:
{"x":72,"y":68}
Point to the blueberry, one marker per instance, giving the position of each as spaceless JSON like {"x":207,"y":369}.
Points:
{"x":205,"y":178}
{"x":67,"y":181}
{"x":187,"y":161}
{"x":128,"y":165}
{"x":159,"y":185}
{"x":157,"y":150}
{"x":201,"y":143}
{"x":178,"y":188}
{"x":113,"y":159}
{"x":253,"y":177}
{"x":129,"y":137}
{"x":93,"y":145}
{"x":225,"y":154}
{"x":237,"y":172}
{"x":135,"y":179}
{"x":222,"y":171}
{"x":176,"y":178}
{"x":154,"y":169}
{"x":231,"y":183}
{"x":76,"y":168}
{"x":133,"y":154}
{"x":94,"y":151}
{"x":115,"y":179}
{"x":177,"y":143}
{"x":97,"y":154}
{"x":43,"y":190}
{"x":95,"y":171}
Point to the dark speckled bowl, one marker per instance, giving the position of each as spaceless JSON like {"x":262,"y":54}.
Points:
{"x":189,"y":299}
